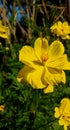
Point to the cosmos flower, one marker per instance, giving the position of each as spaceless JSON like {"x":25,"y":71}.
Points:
{"x":44,"y":65}
{"x":63,"y":113}
{"x":61,"y":29}
{"x":3,"y":31}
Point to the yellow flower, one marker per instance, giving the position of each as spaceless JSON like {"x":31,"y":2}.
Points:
{"x":63,"y":113}
{"x":2,"y":107}
{"x":44,"y":64}
{"x":61,"y":29}
{"x":3,"y":30}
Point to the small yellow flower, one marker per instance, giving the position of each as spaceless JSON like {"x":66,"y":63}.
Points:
{"x":44,"y":65}
{"x":2,"y":107}
{"x":63,"y":113}
{"x":3,"y":31}
{"x":61,"y":29}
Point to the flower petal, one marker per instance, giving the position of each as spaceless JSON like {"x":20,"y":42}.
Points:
{"x":56,"y":49}
{"x":63,"y":77}
{"x":56,"y":76}
{"x":65,"y":23}
{"x":3,"y":35}
{"x":45,"y":77}
{"x":57,"y":113}
{"x":60,"y":63}
{"x":65,"y":127}
{"x":22,"y":75}
{"x":32,"y":76}
{"x":65,"y":106}
{"x":40,"y":47}
{"x":65,"y":37}
{"x":59,"y":23}
{"x":48,"y":89}
{"x":61,"y":121}
{"x":3,"y":30}
{"x":57,"y":28}
{"x":27,"y":56}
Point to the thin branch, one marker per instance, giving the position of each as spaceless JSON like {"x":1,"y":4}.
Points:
{"x":46,"y":12}
{"x":22,"y":30}
{"x":28,"y":16}
{"x":4,"y":12}
{"x":33,"y":14}
{"x":51,"y":6}
{"x":60,"y":15}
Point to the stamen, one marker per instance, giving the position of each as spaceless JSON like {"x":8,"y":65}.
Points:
{"x":44,"y":58}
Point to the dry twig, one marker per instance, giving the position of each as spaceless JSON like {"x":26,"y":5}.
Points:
{"x":46,"y":12}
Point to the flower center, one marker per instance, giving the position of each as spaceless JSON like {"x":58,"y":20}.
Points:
{"x":44,"y":58}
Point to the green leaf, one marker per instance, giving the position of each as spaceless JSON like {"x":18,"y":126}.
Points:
{"x":56,"y":126}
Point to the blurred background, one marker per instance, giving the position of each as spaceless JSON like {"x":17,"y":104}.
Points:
{"x":23,"y":17}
